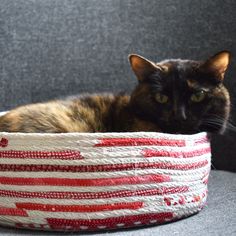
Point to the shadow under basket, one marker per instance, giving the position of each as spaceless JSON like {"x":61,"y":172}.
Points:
{"x":101,"y":181}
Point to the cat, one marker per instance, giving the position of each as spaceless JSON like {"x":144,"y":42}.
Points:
{"x":172,"y":96}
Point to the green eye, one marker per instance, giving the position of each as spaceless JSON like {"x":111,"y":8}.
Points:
{"x":198,"y":96}
{"x":161,"y":98}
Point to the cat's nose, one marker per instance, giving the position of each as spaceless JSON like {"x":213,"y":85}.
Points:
{"x":180,"y":114}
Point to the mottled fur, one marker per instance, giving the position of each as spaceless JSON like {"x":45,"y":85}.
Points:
{"x":176,"y":79}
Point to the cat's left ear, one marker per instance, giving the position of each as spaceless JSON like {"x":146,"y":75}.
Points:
{"x":142,"y":67}
{"x":218,"y":64}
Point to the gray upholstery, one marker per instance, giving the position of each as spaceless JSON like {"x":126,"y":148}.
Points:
{"x":217,"y":218}
{"x":52,"y":48}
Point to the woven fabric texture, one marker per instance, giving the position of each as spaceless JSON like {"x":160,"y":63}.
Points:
{"x":72,"y":182}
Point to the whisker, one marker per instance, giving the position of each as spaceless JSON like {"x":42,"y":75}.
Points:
{"x":213,"y":167}
{"x":218,"y":121}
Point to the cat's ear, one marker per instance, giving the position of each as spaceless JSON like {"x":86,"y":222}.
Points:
{"x":218,"y":64}
{"x":142,"y":67}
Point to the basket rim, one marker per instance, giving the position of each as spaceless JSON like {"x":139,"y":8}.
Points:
{"x":106,"y":134}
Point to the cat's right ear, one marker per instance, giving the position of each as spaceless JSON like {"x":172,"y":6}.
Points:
{"x":218,"y":64}
{"x":142,"y":67}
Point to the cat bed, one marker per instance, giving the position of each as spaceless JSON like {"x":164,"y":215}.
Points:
{"x":101,"y":181}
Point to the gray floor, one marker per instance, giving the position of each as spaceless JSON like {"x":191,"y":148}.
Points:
{"x":217,"y":218}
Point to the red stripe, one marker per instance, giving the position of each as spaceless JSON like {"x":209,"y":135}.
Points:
{"x":79,"y":208}
{"x":97,"y":168}
{"x":85,"y":182}
{"x":109,"y":223}
{"x":92,"y":195}
{"x":12,"y":212}
{"x":108,"y":142}
{"x":62,"y":155}
{"x":162,"y":153}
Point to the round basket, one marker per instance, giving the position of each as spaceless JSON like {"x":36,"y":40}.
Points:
{"x":101,"y":181}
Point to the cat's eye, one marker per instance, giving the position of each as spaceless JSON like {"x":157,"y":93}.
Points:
{"x":161,"y":98}
{"x":198,"y":96}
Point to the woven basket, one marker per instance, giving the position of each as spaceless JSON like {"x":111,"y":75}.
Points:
{"x":97,"y":181}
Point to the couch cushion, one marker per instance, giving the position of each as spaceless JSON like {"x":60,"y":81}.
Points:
{"x":51,"y":48}
{"x":217,"y":218}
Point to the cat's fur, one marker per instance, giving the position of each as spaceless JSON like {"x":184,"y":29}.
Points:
{"x":166,"y":99}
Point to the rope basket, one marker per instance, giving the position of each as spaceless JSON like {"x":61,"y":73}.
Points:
{"x":101,"y":181}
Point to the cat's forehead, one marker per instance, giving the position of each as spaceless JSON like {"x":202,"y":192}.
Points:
{"x":179,"y":65}
{"x":181,"y":74}
{"x":182,"y":70}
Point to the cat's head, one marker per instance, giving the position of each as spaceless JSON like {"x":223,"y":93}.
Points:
{"x":182,"y":96}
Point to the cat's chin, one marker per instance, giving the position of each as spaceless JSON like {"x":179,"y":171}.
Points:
{"x":182,"y":132}
{"x":188,"y":132}
{"x":208,"y":129}
{"x":179,"y":130}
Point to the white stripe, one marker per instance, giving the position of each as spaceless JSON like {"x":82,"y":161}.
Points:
{"x":30,"y":141}
{"x":103,"y":161}
{"x":144,"y":147}
{"x":191,"y":188}
{"x":81,"y":136}
{"x":10,"y":220}
{"x":149,"y":198}
{"x":34,"y":145}
{"x":128,"y":151}
{"x":98,"y":188}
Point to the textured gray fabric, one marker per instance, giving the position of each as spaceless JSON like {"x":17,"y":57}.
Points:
{"x":51,"y":48}
{"x":216,"y":219}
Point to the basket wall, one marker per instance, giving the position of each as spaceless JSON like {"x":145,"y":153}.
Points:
{"x":102,"y":180}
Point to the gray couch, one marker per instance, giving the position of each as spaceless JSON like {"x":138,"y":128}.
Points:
{"x":52,"y":48}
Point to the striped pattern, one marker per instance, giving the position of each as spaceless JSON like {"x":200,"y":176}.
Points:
{"x":101,"y":181}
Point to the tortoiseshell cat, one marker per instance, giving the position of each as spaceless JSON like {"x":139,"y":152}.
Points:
{"x":174,"y":96}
